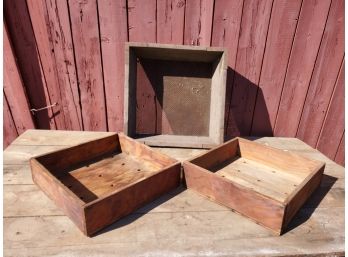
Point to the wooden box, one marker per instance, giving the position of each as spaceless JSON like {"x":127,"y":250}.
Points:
{"x":100,"y":181}
{"x":175,"y":94}
{"x":267,"y":185}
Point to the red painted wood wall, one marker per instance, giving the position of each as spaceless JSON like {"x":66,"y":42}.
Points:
{"x":285,"y":76}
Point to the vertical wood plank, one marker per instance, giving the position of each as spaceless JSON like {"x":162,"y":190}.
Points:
{"x":339,"y":158}
{"x":10,"y":132}
{"x":59,"y":26}
{"x":333,"y":126}
{"x":226,"y":25}
{"x":198,"y":22}
{"x":252,"y":41}
{"x":113,"y":33}
{"x":142,"y":28}
{"x":323,"y":80}
{"x":38,"y":18}
{"x":84,"y":23}
{"x":14,"y":89}
{"x":142,"y":20}
{"x":170,"y":21}
{"x":24,"y":46}
{"x":280,"y":37}
{"x":306,"y":44}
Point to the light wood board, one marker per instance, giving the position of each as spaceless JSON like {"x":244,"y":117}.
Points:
{"x":181,"y":223}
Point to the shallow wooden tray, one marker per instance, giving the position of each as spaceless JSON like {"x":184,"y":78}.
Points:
{"x":100,"y":181}
{"x":265,"y":184}
{"x":174,"y":94}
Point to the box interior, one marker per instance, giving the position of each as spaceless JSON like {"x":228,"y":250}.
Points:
{"x":174,"y":92}
{"x":267,"y":171}
{"x":94,"y":175}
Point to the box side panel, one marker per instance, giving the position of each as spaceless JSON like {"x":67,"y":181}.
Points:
{"x":302,"y":196}
{"x":127,"y":66}
{"x":132,"y":147}
{"x":217,"y":102}
{"x":106,"y":211}
{"x":65,"y":158}
{"x":264,"y":211}
{"x":276,"y":158}
{"x":176,"y":52}
{"x":178,"y":141}
{"x":70,"y":205}
{"x":217,"y":155}
{"x":130,"y":91}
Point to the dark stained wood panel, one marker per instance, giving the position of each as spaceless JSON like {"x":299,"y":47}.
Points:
{"x":60,"y":30}
{"x":226,"y":26}
{"x":113,"y":33}
{"x":14,"y":90}
{"x":84,"y":23}
{"x":333,"y":126}
{"x":251,"y":46}
{"x":29,"y":63}
{"x":282,"y":27}
{"x":305,"y":48}
{"x":323,"y":79}
{"x":170,"y":21}
{"x":198,"y":22}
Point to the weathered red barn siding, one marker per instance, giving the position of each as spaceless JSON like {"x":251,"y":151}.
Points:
{"x":14,"y":91}
{"x":285,"y":58}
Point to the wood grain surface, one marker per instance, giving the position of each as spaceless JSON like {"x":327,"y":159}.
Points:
{"x":251,"y":47}
{"x":14,"y":90}
{"x":331,"y":54}
{"x":333,"y":126}
{"x":263,"y":183}
{"x":277,"y":83}
{"x":283,"y":23}
{"x":59,"y":28}
{"x":113,"y":35}
{"x":312,"y":22}
{"x":198,"y":22}
{"x":25,"y":48}
{"x":226,"y":27}
{"x":84,"y":28}
{"x":179,"y":223}
{"x":339,"y":157}
{"x":170,"y":21}
{"x":97,"y":182}
{"x":38,"y":17}
{"x":10,"y":133}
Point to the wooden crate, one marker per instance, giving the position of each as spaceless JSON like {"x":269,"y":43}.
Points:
{"x":267,"y":185}
{"x":100,"y":181}
{"x":175,"y":95}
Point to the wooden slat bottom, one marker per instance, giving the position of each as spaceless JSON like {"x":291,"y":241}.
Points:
{"x":112,"y":172}
{"x":274,"y":183}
